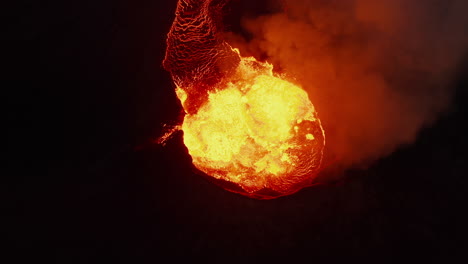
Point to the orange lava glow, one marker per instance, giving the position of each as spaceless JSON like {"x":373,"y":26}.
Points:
{"x":249,"y":129}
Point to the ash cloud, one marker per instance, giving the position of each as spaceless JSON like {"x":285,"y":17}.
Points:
{"x":377,"y":71}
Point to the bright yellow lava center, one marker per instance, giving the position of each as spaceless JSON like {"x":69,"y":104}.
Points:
{"x":245,"y":132}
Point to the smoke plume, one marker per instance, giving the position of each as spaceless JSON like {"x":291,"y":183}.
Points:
{"x":377,"y":71}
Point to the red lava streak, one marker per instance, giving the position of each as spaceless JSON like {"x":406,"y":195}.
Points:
{"x":250,"y":130}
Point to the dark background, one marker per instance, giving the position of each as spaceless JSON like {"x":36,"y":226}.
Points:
{"x":86,"y":96}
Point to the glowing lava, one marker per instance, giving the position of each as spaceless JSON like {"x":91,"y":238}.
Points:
{"x":254,"y":132}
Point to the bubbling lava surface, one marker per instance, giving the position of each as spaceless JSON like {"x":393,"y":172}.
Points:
{"x":249,"y":130}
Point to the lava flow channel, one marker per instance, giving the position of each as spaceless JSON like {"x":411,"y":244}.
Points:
{"x":246,"y":128}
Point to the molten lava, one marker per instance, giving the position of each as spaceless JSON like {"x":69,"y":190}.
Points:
{"x":254,"y":132}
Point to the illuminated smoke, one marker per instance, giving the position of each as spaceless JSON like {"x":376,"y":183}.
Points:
{"x":378,"y":70}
